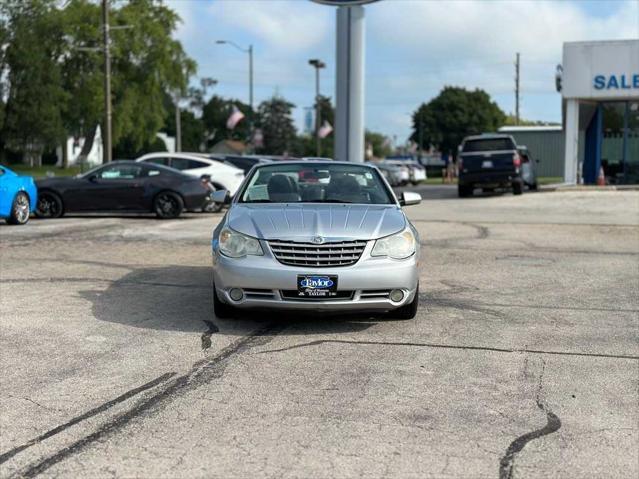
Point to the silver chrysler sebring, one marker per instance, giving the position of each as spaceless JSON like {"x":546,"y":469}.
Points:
{"x":316,"y":236}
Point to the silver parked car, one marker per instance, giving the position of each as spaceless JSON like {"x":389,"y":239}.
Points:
{"x":316,"y":236}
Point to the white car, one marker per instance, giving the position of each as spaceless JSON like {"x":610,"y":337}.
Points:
{"x":222,"y":175}
{"x":416,"y":172}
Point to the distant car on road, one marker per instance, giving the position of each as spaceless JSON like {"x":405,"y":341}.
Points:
{"x":403,"y":170}
{"x":18,"y":196}
{"x":222,"y":176}
{"x":123,"y":186}
{"x":416,"y":172}
{"x":489,"y":162}
{"x":392,"y":173}
{"x":528,"y":167}
{"x":290,"y":241}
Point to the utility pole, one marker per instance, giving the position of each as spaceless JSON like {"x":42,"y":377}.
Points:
{"x":517,"y":90}
{"x":250,"y":53}
{"x":318,"y":64}
{"x":107,"y":85}
{"x":421,"y":139}
{"x":248,"y":50}
{"x":178,"y":124}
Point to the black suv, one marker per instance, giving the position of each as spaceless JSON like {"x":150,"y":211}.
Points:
{"x":489,"y":162}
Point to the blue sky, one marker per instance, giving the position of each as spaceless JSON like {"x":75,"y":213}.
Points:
{"x":413,"y":49}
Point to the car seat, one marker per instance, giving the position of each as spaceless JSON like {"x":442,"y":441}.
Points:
{"x":280,"y":190}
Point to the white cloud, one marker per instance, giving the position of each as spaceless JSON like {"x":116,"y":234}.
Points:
{"x":291,"y":26}
{"x":495,"y":29}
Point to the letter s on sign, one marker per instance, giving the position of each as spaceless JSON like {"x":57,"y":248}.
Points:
{"x":600,"y":82}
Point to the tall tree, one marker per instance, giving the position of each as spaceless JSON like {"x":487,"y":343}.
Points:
{"x":453,"y":114}
{"x":277,"y":126}
{"x":147,"y":63}
{"x":36,"y":99}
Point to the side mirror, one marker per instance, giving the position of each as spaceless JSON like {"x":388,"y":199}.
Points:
{"x":408,"y":198}
{"x":222,"y":196}
{"x":93,"y":178}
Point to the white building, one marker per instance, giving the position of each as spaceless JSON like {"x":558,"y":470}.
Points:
{"x":600,"y":90}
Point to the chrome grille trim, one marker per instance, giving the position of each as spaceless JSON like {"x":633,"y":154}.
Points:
{"x":339,"y":253}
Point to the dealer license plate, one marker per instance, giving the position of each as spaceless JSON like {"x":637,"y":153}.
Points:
{"x":316,"y":286}
{"x":487,"y":164}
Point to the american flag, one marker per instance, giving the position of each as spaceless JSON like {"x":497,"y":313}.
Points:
{"x":325,"y":130}
{"x":235,"y":118}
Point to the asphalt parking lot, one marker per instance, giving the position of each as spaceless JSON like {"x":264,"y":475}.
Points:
{"x":523,"y":361}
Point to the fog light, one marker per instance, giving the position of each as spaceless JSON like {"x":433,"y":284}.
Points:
{"x":396,"y":295}
{"x":236,"y":294}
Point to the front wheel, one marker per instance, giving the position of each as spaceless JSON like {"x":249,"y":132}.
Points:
{"x":408,"y":311}
{"x":213,"y":207}
{"x":168,"y":205}
{"x":49,"y":205}
{"x":518,"y":188}
{"x":464,"y":191}
{"x":19,"y":210}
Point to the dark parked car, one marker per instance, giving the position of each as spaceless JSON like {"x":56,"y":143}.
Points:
{"x":123,"y":186}
{"x":489,"y":162}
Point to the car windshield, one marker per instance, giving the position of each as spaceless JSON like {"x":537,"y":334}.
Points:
{"x":489,"y":144}
{"x":315,"y":183}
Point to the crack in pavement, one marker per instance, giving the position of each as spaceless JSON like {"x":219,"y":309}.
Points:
{"x":200,"y":373}
{"x":553,"y":423}
{"x":447,"y":346}
{"x":92,"y":412}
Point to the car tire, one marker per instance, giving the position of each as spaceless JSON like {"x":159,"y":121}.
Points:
{"x":222,"y":310}
{"x":408,"y":311}
{"x":49,"y":205}
{"x":213,"y":207}
{"x":518,"y":188}
{"x":168,"y":205}
{"x":20,"y":209}
{"x":464,"y":191}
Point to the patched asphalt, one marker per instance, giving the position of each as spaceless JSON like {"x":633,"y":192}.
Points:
{"x":523,"y":361}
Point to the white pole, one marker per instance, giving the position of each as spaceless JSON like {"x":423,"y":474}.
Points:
{"x":349,"y":111}
{"x":572,"y":142}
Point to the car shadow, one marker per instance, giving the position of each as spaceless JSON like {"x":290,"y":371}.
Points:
{"x":179,"y":298}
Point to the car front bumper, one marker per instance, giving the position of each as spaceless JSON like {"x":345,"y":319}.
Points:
{"x":264,"y":281}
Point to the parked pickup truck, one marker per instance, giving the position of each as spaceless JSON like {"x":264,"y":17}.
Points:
{"x":489,"y":162}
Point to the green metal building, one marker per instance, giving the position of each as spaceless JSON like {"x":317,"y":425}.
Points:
{"x":545,"y":143}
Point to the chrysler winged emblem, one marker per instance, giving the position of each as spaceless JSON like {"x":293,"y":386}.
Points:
{"x":317,"y":240}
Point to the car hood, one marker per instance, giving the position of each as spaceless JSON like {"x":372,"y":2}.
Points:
{"x":301,"y":222}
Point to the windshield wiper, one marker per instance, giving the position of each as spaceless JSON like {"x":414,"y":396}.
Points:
{"x":257,"y":201}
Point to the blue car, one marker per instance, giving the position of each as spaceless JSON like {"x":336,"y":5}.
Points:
{"x":18,"y":196}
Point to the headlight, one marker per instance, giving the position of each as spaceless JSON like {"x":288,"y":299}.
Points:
{"x":237,"y":245}
{"x":397,"y":246}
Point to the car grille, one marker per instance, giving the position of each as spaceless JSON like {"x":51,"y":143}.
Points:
{"x":292,"y":294}
{"x":343,"y":253}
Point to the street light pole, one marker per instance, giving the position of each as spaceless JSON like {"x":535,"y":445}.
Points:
{"x":250,"y":52}
{"x":318,"y":65}
{"x":107,"y":157}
